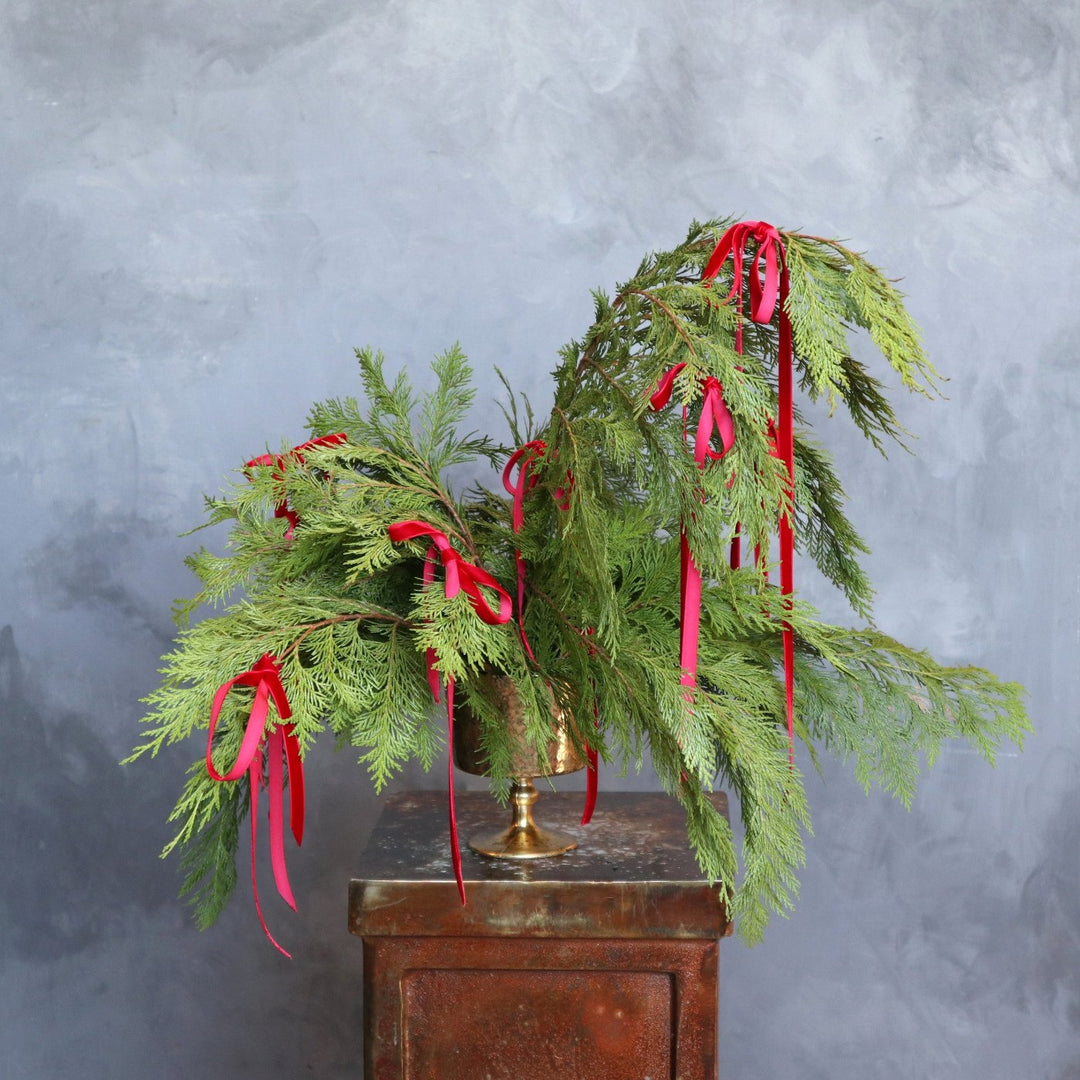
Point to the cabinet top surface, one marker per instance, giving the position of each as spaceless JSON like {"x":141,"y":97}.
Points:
{"x":633,"y":837}
{"x":631,"y":875}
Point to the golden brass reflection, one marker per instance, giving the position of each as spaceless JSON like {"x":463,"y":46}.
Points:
{"x":523,"y":839}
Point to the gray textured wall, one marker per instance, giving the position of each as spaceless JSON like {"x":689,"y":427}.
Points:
{"x":205,"y":205}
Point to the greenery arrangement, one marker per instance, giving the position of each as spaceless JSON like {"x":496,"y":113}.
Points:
{"x":611,"y":506}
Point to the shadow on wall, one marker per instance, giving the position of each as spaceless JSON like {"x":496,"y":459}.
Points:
{"x":1050,"y":924}
{"x":68,"y":827}
{"x":109,"y":565}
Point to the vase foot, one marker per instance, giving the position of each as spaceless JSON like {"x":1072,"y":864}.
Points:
{"x":524,"y":839}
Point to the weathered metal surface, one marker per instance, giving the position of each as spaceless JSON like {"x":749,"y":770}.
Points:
{"x":646,"y":882}
{"x":503,"y":1015}
{"x":601,"y":963}
{"x":534,"y":1009}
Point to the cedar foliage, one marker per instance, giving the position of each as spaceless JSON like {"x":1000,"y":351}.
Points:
{"x":343,"y":609}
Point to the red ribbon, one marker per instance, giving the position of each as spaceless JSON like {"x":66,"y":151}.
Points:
{"x":592,"y":774}
{"x":764,"y":294}
{"x":662,"y":394}
{"x":461,"y":576}
{"x":714,"y":419}
{"x":281,"y":742}
{"x":522,"y":459}
{"x":278,"y":462}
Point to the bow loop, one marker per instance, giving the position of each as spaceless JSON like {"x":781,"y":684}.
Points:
{"x":522,"y":459}
{"x":714,"y":417}
{"x":662,"y":394}
{"x":461,"y":576}
{"x":764,"y":292}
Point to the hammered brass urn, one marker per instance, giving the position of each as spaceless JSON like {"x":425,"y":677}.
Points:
{"x":523,"y":838}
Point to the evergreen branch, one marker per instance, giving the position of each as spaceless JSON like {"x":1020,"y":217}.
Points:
{"x":676,"y":322}
{"x":346,"y":613}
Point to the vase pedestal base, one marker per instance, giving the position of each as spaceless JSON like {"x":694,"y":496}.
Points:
{"x":523,"y":839}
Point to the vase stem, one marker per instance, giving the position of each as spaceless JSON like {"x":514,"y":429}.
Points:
{"x":524,"y":839}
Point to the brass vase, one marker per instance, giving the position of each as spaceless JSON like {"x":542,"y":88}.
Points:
{"x":523,"y":838}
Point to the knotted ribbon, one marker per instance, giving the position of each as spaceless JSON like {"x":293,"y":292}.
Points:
{"x":280,"y":743}
{"x":714,"y":420}
{"x":765,"y":293}
{"x":277,"y":461}
{"x":466,"y":577}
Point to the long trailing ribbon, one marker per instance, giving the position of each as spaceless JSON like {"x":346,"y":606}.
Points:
{"x":523,"y":459}
{"x":281,"y":743}
{"x":769,"y":288}
{"x":592,"y":764}
{"x":466,"y":577}
{"x":715,"y":419}
{"x":277,"y":461}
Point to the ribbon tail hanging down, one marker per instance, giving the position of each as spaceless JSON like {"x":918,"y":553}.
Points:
{"x":714,"y":419}
{"x":275,"y":749}
{"x":690,"y":616}
{"x":592,"y":762}
{"x":522,"y":459}
{"x":592,"y":783}
{"x":282,"y":747}
{"x":455,"y":844}
{"x":769,"y":289}
{"x":461,"y":576}
{"x":786,"y":441}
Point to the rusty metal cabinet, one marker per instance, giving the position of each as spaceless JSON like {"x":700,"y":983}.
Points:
{"x":600,"y":964}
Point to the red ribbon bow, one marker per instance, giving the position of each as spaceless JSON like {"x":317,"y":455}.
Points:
{"x":461,"y":576}
{"x":714,"y":417}
{"x":278,"y":462}
{"x":281,"y":742}
{"x":764,"y":295}
{"x":770,"y":247}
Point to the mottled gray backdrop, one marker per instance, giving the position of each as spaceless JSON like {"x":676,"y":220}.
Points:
{"x":205,"y":204}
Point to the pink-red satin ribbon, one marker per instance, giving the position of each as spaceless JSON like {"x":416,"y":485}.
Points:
{"x":280,"y":743}
{"x":466,"y":577}
{"x":522,"y":459}
{"x":277,"y":461}
{"x":592,"y":764}
{"x":766,"y":294}
{"x":714,"y":420}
